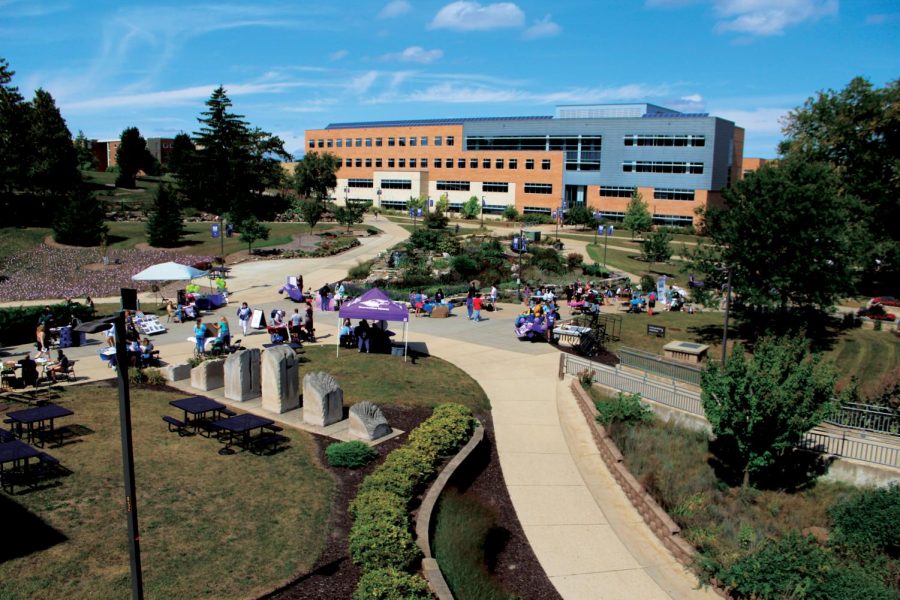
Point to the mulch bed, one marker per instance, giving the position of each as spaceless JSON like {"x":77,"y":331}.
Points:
{"x":514,"y":564}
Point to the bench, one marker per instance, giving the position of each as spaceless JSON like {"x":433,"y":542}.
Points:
{"x":175,"y":425}
{"x":266,"y":442}
{"x":228,"y":412}
{"x":274,"y":428}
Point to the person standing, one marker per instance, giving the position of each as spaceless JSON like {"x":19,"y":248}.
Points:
{"x":200,"y":335}
{"x":244,"y":314}
{"x":470,"y":296}
{"x":224,"y":331}
{"x":651,"y":303}
{"x":362,"y":335}
{"x":477,"y":303}
{"x":308,"y":322}
{"x":494,"y":295}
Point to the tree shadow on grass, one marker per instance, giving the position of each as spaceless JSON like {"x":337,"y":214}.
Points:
{"x":794,"y":471}
{"x":25,"y":532}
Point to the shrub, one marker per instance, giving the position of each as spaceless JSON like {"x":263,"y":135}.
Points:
{"x":623,"y":409}
{"x":413,"y":463}
{"x":378,"y":543}
{"x":510,"y":213}
{"x":17,"y":325}
{"x":351,"y":455}
{"x":195,"y":360}
{"x":154,"y":377}
{"x":536,"y":218}
{"x":595,"y":270}
{"x":388,"y":481}
{"x":391,"y":584}
{"x":574,"y":260}
{"x":586,"y":378}
{"x":378,"y":503}
{"x":869,"y":521}
{"x":361,"y":270}
{"x":447,"y":429}
{"x":464,"y":265}
{"x":135,"y":376}
{"x":647,"y":284}
{"x":797,"y":567}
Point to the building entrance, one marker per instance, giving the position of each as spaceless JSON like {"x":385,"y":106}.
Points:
{"x":575,"y":195}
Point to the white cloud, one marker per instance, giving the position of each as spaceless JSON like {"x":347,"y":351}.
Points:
{"x":394,"y":9}
{"x":464,"y":15}
{"x":188,"y":95}
{"x":757,"y":121}
{"x":458,"y":92}
{"x":696,"y":98}
{"x":542,"y":28}
{"x":338,"y":54}
{"x":362,"y":83}
{"x":416,"y":54}
{"x":769,"y":17}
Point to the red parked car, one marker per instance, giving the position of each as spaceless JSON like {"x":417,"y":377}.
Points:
{"x":885,"y":301}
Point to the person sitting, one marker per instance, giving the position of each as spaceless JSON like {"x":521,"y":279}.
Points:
{"x":29,"y":371}
{"x":59,"y":367}
{"x":363,"y":332}
{"x":346,"y":334}
{"x":148,"y":354}
{"x":134,"y":353}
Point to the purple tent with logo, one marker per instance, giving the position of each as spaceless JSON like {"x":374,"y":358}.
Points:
{"x":374,"y":305}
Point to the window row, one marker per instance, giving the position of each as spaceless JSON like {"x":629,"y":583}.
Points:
{"x":538,"y":188}
{"x":379,"y":142}
{"x":396,"y":184}
{"x":672,"y":194}
{"x":543,"y":143}
{"x":447,"y":163}
{"x":665,"y":140}
{"x":359,"y":183}
{"x":453,"y":186}
{"x":647,"y":166}
{"x":616,"y":191}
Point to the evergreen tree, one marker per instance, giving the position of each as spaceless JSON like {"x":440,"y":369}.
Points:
{"x":79,"y":221}
{"x":165,"y":225}
{"x":84,"y":153}
{"x":131,"y":156}
{"x":637,"y":216}
{"x":14,"y":140}
{"x":54,"y":167}
{"x":182,"y":156}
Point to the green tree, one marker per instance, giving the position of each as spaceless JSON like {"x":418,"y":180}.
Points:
{"x":165,"y":225}
{"x":15,"y":146}
{"x":579,"y":215}
{"x":510,"y":213}
{"x":657,"y":247}
{"x":79,"y":221}
{"x":311,"y":212}
{"x":443,"y":203}
{"x":349,"y":215}
{"x":436,"y":219}
{"x":760,"y":407}
{"x":472,"y":208}
{"x":787,"y":236}
{"x":54,"y":165}
{"x":857,"y":132}
{"x":637,"y":215}
{"x":84,"y":153}
{"x":252,"y":230}
{"x":416,"y":203}
{"x":314,"y":175}
{"x":132,"y":156}
{"x":182,"y":156}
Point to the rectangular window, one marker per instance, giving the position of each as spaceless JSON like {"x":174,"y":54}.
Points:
{"x":529,"y":163}
{"x":616,"y":192}
{"x":396,"y":184}
{"x":359,"y":142}
{"x":473,"y":163}
{"x":450,"y":140}
{"x":514,"y":163}
{"x":498,"y":163}
{"x":438,"y":140}
{"x":401,"y":163}
{"x":665,"y":140}
{"x":424,"y":140}
{"x":368,"y":163}
{"x":312,"y":143}
{"x":321,"y":143}
{"x":340,"y":162}
{"x":461,"y":163}
{"x":673,"y":194}
{"x":377,"y":163}
{"x":646,"y":166}
{"x":453,"y":186}
{"x":390,"y":141}
{"x":339,"y":143}
{"x":423,"y":162}
{"x":359,"y":183}
{"x":412,"y":140}
{"x":329,"y":143}
{"x":485,"y":163}
{"x":348,"y":142}
{"x":368,"y":142}
{"x":545,"y":164}
{"x":390,"y":163}
{"x":494,"y":186}
{"x":378,"y":142}
{"x":437,"y":163}
{"x":412,"y":163}
{"x":401,"y":141}
{"x":538,"y":188}
{"x":359,"y":162}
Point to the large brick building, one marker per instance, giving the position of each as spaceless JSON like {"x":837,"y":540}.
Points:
{"x":595,"y":155}
{"x":105,"y":151}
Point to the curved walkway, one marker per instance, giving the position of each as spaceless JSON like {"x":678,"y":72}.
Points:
{"x":586,"y":535}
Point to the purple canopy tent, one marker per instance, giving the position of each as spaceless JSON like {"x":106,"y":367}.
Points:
{"x":374,"y":305}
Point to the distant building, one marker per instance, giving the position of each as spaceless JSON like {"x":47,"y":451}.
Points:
{"x":753,"y":164}
{"x":105,"y":151}
{"x":594,"y":155}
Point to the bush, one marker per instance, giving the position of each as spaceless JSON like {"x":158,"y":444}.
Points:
{"x":574,"y":260}
{"x":623,"y":409}
{"x":391,"y":584}
{"x":154,"y":377}
{"x":351,"y":455}
{"x":510,"y":213}
{"x":595,"y":270}
{"x":17,"y":325}
{"x":464,"y":265}
{"x":869,"y":521}
{"x":547,"y":260}
{"x":797,"y":567}
{"x":536,"y":218}
{"x":647,"y":284}
{"x":380,"y":543}
{"x":446,"y":430}
{"x":135,"y":376}
{"x":361,"y":270}
{"x":378,"y":504}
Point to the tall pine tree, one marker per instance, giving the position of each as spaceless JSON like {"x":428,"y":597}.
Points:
{"x":54,"y":166}
{"x":132,"y":156}
{"x":79,"y":220}
{"x":164,"y":222}
{"x":14,"y":138}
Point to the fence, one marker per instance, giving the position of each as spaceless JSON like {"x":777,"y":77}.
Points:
{"x":689,"y":401}
{"x":655,"y":364}
{"x":867,"y":417}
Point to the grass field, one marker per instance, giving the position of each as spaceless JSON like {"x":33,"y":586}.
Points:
{"x":211,"y":526}
{"x":627,"y":261}
{"x":17,"y":239}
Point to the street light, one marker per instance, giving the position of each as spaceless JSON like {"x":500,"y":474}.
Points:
{"x":134,"y":546}
{"x":607,"y":231}
{"x":379,"y":197}
{"x":482,"y":212}
{"x":596,"y":215}
{"x":346,"y":195}
{"x":727,"y":310}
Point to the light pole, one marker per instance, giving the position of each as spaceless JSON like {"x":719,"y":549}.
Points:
{"x":346,"y":195}
{"x":134,"y":545}
{"x":727,"y":310}
{"x":596,"y":216}
{"x":482,"y":212}
{"x":520,"y":248}
{"x":222,"y":237}
{"x":607,"y":232}
{"x":378,"y":193}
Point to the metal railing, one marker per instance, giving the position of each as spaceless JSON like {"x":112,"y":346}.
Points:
{"x":867,"y":418}
{"x":645,"y":361}
{"x":689,"y":401}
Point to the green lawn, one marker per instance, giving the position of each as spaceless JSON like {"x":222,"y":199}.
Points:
{"x":630,"y":262}
{"x":211,"y":526}
{"x":16,"y":239}
{"x":387,"y":379}
{"x":867,"y":355}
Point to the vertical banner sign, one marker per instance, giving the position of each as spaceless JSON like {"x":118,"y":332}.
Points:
{"x":214,"y":229}
{"x":229,"y":229}
{"x":553,"y":214}
{"x":661,"y":287}
{"x":419,"y":212}
{"x":601,"y":230}
{"x":431,"y":202}
{"x":610,"y":230}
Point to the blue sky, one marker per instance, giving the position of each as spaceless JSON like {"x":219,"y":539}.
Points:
{"x":291,"y":66}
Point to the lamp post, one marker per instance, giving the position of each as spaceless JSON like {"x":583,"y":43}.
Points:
{"x":378,"y":193}
{"x":222,"y":237}
{"x":596,"y":216}
{"x":607,"y":232}
{"x":346,"y":195}
{"x":519,"y":247}
{"x":727,"y":310}
{"x":134,"y":546}
{"x":482,"y":212}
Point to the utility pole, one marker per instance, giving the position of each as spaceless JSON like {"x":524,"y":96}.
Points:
{"x":727,"y":310}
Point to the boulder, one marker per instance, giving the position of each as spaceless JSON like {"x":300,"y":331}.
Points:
{"x":178,"y":372}
{"x":367,"y":422}
{"x":441,"y":311}
{"x":208,"y":375}
{"x":323,"y":399}
{"x":280,"y":379}
{"x":242,"y":375}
